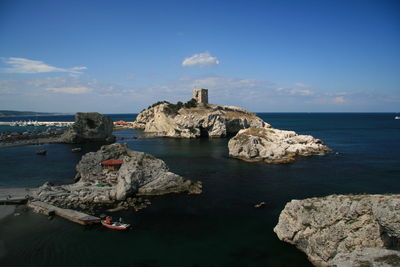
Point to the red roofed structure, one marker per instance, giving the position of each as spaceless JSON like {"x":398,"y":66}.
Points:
{"x":112,"y":164}
{"x":121,"y":122}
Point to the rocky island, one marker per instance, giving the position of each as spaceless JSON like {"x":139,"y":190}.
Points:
{"x":254,"y":140}
{"x":115,"y":175}
{"x":344,"y":230}
{"x":273,"y":145}
{"x":89,"y":127}
{"x":164,"y":119}
{"x":195,"y":119}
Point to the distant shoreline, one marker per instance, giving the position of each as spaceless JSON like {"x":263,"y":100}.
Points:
{"x":33,"y":141}
{"x":38,"y":115}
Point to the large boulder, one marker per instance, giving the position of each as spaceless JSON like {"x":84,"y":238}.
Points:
{"x":137,"y":174}
{"x":168,"y":120}
{"x":89,"y":127}
{"x":327,"y":229}
{"x":140,"y":173}
{"x":272,"y":145}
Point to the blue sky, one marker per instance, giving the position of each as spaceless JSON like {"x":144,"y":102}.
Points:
{"x":273,"y":56}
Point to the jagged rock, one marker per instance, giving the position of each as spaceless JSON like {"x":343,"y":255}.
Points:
{"x":89,"y":127}
{"x":324,"y":227}
{"x":203,"y":120}
{"x":273,"y":145}
{"x":139,"y":174}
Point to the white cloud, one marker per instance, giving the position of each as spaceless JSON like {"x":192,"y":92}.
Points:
{"x":294,"y":91}
{"x":203,"y":60}
{"x":339,"y":99}
{"x":24,"y":65}
{"x":70,"y":90}
{"x":131,"y":77}
{"x":301,"y":85}
{"x":64,"y":93}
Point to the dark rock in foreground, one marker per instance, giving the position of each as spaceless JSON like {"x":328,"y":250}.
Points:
{"x":329,"y":229}
{"x":139,"y":174}
{"x":89,"y":127}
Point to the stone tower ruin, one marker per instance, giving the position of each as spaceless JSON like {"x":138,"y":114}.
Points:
{"x":201,"y":95}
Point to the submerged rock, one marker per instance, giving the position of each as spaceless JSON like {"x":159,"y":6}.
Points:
{"x":138,"y":174}
{"x":329,"y":229}
{"x":89,"y":127}
{"x":165,"y":119}
{"x":273,"y":145}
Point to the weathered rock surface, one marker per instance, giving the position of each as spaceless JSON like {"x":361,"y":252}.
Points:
{"x":367,"y":257}
{"x":139,"y":174}
{"x":329,"y":228}
{"x":205,"y":120}
{"x":273,"y":145}
{"x":89,"y":127}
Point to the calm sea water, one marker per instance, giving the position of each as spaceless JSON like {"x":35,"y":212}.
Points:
{"x":220,"y":227}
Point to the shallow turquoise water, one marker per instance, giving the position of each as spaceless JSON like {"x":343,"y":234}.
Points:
{"x":220,"y":227}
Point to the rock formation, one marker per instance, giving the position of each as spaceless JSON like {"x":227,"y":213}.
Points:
{"x":165,"y":119}
{"x":273,"y":145}
{"x":255,"y":139}
{"x":139,"y":174}
{"x":340,"y":228}
{"x":367,"y":257}
{"x":89,"y":127}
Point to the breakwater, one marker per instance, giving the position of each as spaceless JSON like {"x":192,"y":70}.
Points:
{"x":37,"y":123}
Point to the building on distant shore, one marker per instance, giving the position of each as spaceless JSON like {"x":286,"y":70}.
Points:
{"x":201,"y":95}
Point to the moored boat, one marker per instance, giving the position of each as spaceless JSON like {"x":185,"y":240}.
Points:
{"x":114,"y":225}
{"x":41,"y":152}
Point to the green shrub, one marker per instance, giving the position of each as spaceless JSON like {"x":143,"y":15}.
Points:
{"x":192,"y":103}
{"x":158,"y":103}
{"x":155,"y":104}
{"x":173,"y":109}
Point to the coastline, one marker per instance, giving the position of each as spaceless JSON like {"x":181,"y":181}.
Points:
{"x":36,"y":141}
{"x":226,"y":209}
{"x":43,"y":123}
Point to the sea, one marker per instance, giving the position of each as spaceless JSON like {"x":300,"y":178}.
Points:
{"x":219,"y":227}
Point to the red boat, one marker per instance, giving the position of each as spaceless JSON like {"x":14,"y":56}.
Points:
{"x":114,"y":225}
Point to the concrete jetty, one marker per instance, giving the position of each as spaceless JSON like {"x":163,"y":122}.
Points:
{"x":15,"y":195}
{"x":72,"y":215}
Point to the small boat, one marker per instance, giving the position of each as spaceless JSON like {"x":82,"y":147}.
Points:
{"x":76,"y":149}
{"x":397,"y":118}
{"x":115,"y":225}
{"x":259,"y":205}
{"x":41,"y":152}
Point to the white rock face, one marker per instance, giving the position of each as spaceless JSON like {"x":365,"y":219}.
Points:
{"x":210,"y":121}
{"x":325,"y":227}
{"x":273,"y":145}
